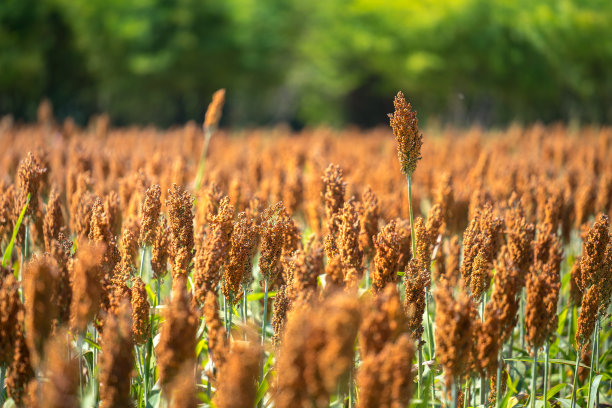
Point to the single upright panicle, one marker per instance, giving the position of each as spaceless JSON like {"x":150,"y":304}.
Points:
{"x":53,"y":222}
{"x":41,"y":312}
{"x":453,"y":334}
{"x":159,"y":253}
{"x":212,"y":254}
{"x":180,"y":216}
{"x":86,"y":286}
{"x":117,"y":359}
{"x":150,"y":215}
{"x":273,"y":228}
{"x":237,"y":380}
{"x":405,"y":129}
{"x":368,"y":220}
{"x":11,"y":317}
{"x":328,"y":332}
{"x":141,"y":326}
{"x":237,"y":269}
{"x":213,"y":113}
{"x":61,"y":388}
{"x":348,"y":244}
{"x":386,"y":258}
{"x":172,"y":350}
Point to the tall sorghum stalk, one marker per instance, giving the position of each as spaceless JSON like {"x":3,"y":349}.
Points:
{"x":2,"y":373}
{"x":594,"y":358}
{"x":244,"y":305}
{"x":483,"y":380}
{"x":265,"y":311}
{"x":498,"y":379}
{"x":202,"y":162}
{"x":575,"y":382}
{"x":534,"y":367}
{"x":546,"y":368}
{"x":211,"y":120}
{"x":454,"y":393}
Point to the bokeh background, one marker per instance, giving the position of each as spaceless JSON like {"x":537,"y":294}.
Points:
{"x":336,"y":62}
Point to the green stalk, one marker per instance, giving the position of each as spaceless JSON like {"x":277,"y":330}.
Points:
{"x":25,"y":242}
{"x":265,"y":311}
{"x":229,"y":323}
{"x":593,"y":359}
{"x":202,"y":163}
{"x":2,"y":372}
{"x":454,"y":393}
{"x":483,"y":381}
{"x":142,"y":257}
{"x":413,"y":246}
{"x":575,"y":384}
{"x":80,"y":347}
{"x":534,"y":368}
{"x":546,"y":357}
{"x":498,"y":380}
{"x":244,"y":306}
{"x":420,"y":367}
{"x":412,"y":233}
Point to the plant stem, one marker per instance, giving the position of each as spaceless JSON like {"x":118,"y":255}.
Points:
{"x":593,"y":360}
{"x":420,"y":371}
{"x":202,"y":163}
{"x":413,"y":246}
{"x":498,"y":380}
{"x":142,"y":257}
{"x":265,"y":312}
{"x":244,"y":306}
{"x":412,"y":233}
{"x":2,"y":371}
{"x":483,"y":381}
{"x":80,"y":348}
{"x":534,"y":368}
{"x":575,"y":384}
{"x":546,"y":357}
{"x":229,"y":322}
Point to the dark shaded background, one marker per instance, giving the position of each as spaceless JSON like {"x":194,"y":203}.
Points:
{"x":308,"y":62}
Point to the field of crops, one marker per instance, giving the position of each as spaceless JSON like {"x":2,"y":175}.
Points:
{"x":196,"y":267}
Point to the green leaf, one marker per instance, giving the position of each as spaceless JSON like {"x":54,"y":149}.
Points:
{"x":564,"y":402}
{"x":554,"y":390}
{"x":551,"y":361}
{"x":9,"y":248}
{"x":9,"y":403}
{"x":92,"y":343}
{"x":594,"y":388}
{"x":260,"y":295}
{"x":261,"y":391}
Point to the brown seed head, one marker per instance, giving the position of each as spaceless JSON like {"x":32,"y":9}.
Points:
{"x":329,"y":332}
{"x":214,"y":252}
{"x":140,"y":311}
{"x":348,"y":237}
{"x":453,"y":334}
{"x":272,"y":232}
{"x":180,"y":217}
{"x":368,"y":219}
{"x":384,"y":321}
{"x":385,"y":379}
{"x":149,"y":213}
{"x":173,"y":351}
{"x":237,"y":269}
{"x":61,"y":390}
{"x":159,"y":253}
{"x":40,"y":291}
{"x":20,"y":371}
{"x":215,"y":108}
{"x":11,"y":316}
{"x":87,"y":288}
{"x":183,"y":392}
{"x":53,"y":222}
{"x":237,"y":380}
{"x":117,"y":358}
{"x":416,"y":280}
{"x":406,"y":131}
{"x":217,"y":338}
{"x":386,"y":258}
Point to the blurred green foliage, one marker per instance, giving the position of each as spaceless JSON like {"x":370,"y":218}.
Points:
{"x":336,"y":61}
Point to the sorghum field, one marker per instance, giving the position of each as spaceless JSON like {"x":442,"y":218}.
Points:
{"x":195,"y":267}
